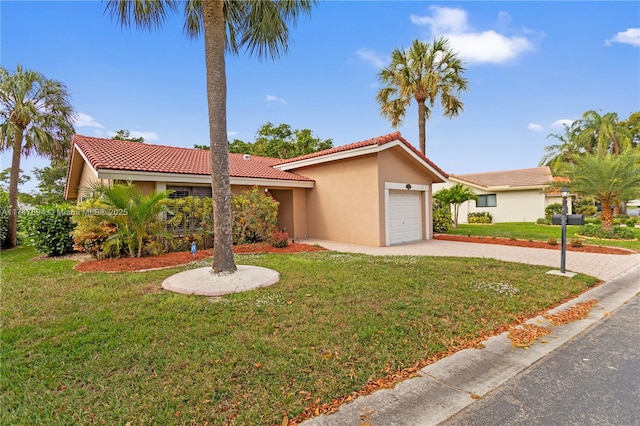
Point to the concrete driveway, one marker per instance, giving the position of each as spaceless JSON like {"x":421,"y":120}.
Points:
{"x":603,"y":266}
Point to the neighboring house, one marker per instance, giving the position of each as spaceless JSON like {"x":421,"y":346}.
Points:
{"x":376,"y":192}
{"x":510,"y":195}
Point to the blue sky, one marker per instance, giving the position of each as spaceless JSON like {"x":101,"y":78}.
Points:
{"x":530,"y":67}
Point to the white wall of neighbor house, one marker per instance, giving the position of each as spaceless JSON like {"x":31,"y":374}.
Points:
{"x":511,"y":205}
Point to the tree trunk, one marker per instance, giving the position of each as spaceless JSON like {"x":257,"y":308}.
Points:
{"x":12,"y":226}
{"x":605,"y":214}
{"x":214,"y":45}
{"x":422,"y":127}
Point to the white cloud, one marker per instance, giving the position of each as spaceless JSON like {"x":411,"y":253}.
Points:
{"x":559,"y":124}
{"x":444,"y":20}
{"x":473,"y":46}
{"x":488,"y":47}
{"x":368,"y":55}
{"x":271,"y":99}
{"x":148,"y":136}
{"x":85,"y":120}
{"x":535,"y":127}
{"x":231,"y":133}
{"x":630,"y":36}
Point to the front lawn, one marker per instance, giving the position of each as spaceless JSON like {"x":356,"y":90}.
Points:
{"x":80,"y":348}
{"x":535,"y":232}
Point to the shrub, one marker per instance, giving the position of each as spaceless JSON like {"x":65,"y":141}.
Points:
{"x":587,"y":210}
{"x":596,"y":231}
{"x":49,"y":229}
{"x":479,"y":217}
{"x":551,"y":209}
{"x":576,"y":242}
{"x":441,"y":221}
{"x":543,"y":221}
{"x":279,"y":239}
{"x":631,"y":222}
{"x":552,"y":242}
{"x":4,"y":216}
{"x":255,"y":216}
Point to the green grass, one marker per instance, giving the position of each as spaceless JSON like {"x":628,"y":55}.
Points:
{"x":116,"y":348}
{"x":533,"y":231}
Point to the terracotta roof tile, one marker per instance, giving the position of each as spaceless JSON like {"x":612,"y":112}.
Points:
{"x":537,"y":176}
{"x":135,"y":156}
{"x":379,"y":141}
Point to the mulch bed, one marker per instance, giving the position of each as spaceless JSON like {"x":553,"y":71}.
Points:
{"x":586,"y":248}
{"x":167,"y":260}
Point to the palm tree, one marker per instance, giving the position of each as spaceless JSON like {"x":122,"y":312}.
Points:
{"x":423,"y":72}
{"x":559,"y":157}
{"x":131,"y":211}
{"x":36,"y":118}
{"x":608,"y":178}
{"x":455,"y":195}
{"x":602,"y":133}
{"x":259,"y":26}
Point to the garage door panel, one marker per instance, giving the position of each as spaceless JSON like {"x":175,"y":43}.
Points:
{"x":405,"y":216}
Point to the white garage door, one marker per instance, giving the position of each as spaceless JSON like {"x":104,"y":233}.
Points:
{"x":405,"y":216}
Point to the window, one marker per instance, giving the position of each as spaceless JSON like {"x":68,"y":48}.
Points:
{"x":186,"y":191}
{"x":487,"y":200}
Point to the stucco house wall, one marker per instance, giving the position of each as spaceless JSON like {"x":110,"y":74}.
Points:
{"x":344,"y":204}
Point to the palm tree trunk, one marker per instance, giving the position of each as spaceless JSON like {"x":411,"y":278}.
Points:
{"x":12,"y":226}
{"x":605,"y":214}
{"x":214,"y":46}
{"x":422,"y":127}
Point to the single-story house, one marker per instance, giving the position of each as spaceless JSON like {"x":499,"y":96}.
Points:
{"x":375,"y":192}
{"x":510,"y":195}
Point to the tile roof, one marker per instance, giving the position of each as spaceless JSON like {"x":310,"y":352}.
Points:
{"x":537,"y":176}
{"x":135,"y":156}
{"x":379,"y":141}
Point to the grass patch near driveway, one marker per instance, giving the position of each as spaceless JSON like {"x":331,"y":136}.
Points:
{"x":535,"y":232}
{"x":115,"y":348}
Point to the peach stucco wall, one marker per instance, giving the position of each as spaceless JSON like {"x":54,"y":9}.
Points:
{"x":345,"y":203}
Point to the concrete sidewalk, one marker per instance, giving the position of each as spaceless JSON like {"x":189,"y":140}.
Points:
{"x":449,"y":385}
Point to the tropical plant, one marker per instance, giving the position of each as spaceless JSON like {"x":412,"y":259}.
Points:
{"x":455,"y":195}
{"x":261,"y":27}
{"x":608,"y":178}
{"x":132,"y":212}
{"x":423,"y":72}
{"x":36,"y":118}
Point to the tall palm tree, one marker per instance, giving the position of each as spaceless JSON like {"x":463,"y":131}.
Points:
{"x":608,"y":178}
{"x":36,"y":118}
{"x":424,"y":72}
{"x":259,"y":26}
{"x":602,"y":133}
{"x":559,"y":157}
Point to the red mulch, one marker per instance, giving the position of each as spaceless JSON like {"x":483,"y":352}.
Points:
{"x":181,"y":258}
{"x":586,"y":248}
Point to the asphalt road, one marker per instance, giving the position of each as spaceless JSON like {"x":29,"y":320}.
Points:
{"x":592,"y":380}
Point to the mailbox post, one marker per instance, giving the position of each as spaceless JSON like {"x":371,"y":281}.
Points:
{"x":563,"y":256}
